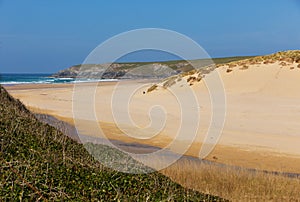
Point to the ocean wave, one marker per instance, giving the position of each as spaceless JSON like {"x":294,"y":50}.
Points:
{"x":57,"y":81}
{"x":64,"y":78}
{"x":22,"y":82}
{"x":93,"y":80}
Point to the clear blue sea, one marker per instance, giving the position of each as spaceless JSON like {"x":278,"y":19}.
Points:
{"x":13,"y":79}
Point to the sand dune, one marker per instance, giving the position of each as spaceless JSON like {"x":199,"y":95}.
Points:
{"x":261,"y":128}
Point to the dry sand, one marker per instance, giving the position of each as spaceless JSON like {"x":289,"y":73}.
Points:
{"x":261,"y":129}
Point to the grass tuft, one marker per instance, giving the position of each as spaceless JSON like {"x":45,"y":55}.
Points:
{"x":152,"y":88}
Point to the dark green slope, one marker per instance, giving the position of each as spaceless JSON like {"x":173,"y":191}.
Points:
{"x":39,"y":163}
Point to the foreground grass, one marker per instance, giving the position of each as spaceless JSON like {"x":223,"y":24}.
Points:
{"x":39,"y":163}
{"x":234,"y":184}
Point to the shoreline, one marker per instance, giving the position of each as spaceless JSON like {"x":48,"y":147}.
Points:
{"x":250,"y":138}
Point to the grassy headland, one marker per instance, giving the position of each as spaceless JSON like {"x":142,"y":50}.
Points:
{"x":161,"y":69}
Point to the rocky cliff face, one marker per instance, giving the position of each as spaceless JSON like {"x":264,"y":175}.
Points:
{"x":123,"y":70}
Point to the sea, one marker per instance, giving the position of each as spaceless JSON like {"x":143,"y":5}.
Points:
{"x":14,"y":79}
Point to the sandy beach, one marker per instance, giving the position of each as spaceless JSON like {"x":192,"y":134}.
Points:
{"x":261,"y":130}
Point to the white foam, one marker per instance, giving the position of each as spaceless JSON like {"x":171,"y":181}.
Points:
{"x":57,"y":81}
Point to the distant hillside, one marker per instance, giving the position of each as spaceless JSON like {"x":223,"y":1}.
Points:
{"x":37,"y":162}
{"x":138,"y":69}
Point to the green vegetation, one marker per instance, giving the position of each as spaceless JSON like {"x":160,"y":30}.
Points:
{"x":230,"y":59}
{"x":174,"y":64}
{"x":118,"y":70}
{"x":39,"y":163}
{"x":215,"y":60}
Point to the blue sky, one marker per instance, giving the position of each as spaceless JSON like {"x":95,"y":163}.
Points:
{"x":49,"y":35}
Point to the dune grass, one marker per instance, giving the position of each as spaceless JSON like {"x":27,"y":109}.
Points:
{"x":234,"y":184}
{"x":40,"y":163}
{"x":285,"y":58}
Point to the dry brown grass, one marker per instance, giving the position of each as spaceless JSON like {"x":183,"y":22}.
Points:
{"x":289,"y":60}
{"x":234,"y":184}
{"x":266,"y":62}
{"x":170,"y":82}
{"x":228,"y":70}
{"x":285,"y":58}
{"x":191,"y":79}
{"x":231,"y":65}
{"x":187,"y":73}
{"x":283,"y":64}
{"x":152,"y":88}
{"x":244,"y":67}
